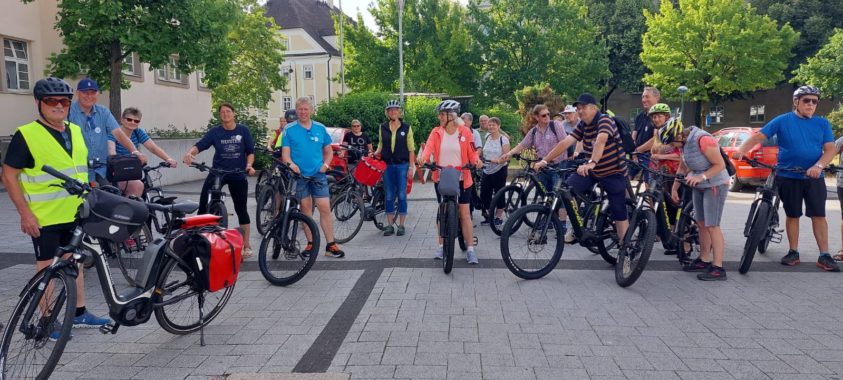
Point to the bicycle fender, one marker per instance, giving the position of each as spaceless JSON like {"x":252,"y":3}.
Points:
{"x":73,"y":271}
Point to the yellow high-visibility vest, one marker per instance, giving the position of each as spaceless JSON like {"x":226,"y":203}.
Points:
{"x":52,"y":205}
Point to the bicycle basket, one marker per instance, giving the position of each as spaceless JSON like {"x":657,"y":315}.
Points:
{"x":214,"y":253}
{"x":449,"y":182}
{"x":369,"y":171}
{"x":110,"y":216}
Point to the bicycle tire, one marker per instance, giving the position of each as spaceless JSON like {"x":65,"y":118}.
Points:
{"x":608,"y":241}
{"x":765,"y":242}
{"x":40,"y":338}
{"x":532,"y":195}
{"x":628,"y":270}
{"x":265,"y":209}
{"x":520,"y":257}
{"x":687,"y":233}
{"x":514,"y":199}
{"x":760,"y":225}
{"x":261,"y":181}
{"x":450,"y":228}
{"x":290,"y":250}
{"x":128,"y":256}
{"x":349,"y":212}
{"x":179,"y":281}
{"x":218,"y":208}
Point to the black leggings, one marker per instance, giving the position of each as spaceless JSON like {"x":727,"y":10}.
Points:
{"x":239,"y":189}
{"x":491,"y":184}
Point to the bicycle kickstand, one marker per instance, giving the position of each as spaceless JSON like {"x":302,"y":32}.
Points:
{"x":201,"y":318}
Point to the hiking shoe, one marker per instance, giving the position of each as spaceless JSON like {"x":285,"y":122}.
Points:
{"x":88,"y":320}
{"x":791,"y":258}
{"x":388,"y":231}
{"x":333,"y":250}
{"x":438,"y":254}
{"x":471,"y":257}
{"x":696,"y":266}
{"x":714,"y":273}
{"x":826,"y":263}
{"x":401,"y":231}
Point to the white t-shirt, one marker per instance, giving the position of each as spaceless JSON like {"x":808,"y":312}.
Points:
{"x":492,"y":150}
{"x":449,"y":150}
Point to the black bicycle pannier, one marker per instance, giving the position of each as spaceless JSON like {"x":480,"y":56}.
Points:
{"x":124,"y":168}
{"x":109,"y":216}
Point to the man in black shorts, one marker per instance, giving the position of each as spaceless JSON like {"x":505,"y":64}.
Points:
{"x":47,"y":212}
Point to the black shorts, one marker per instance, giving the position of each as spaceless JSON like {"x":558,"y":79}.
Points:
{"x":47,"y":244}
{"x":793,"y":192}
{"x":464,"y":198}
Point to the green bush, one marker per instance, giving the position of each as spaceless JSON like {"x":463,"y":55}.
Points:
{"x":420,"y":113}
{"x":510,"y":120}
{"x":171,"y":132}
{"x":836,"y":119}
{"x":258,"y":130}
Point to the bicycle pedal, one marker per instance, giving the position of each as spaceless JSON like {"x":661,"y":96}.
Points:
{"x":109,"y":328}
{"x":776,"y":237}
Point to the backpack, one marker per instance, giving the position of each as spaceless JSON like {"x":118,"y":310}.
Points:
{"x":625,"y":133}
{"x":730,"y":167}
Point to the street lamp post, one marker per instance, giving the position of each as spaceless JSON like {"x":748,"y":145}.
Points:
{"x":401,"y":51}
{"x":682,"y":90}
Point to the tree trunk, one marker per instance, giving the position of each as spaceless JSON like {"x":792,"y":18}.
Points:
{"x":116,"y":79}
{"x":698,"y":110}
{"x":605,"y":101}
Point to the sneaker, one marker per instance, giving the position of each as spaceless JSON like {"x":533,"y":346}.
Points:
{"x":714,"y":273}
{"x":670,"y":252}
{"x":498,"y":222}
{"x":89,"y":320}
{"x":791,"y":258}
{"x":471,"y":257}
{"x":696,"y":266}
{"x":333,"y":250}
{"x":56,"y":333}
{"x":388,"y":231}
{"x":401,"y":231}
{"x":307,"y":249}
{"x":569,"y":237}
{"x":826,"y":263}
{"x":439,"y":253}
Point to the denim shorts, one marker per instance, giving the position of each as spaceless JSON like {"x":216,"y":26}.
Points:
{"x":315,"y":189}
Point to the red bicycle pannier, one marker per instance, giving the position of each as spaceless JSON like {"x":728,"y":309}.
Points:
{"x":215,"y":254}
{"x":369,"y":171}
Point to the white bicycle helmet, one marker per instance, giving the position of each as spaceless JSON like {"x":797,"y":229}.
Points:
{"x":806,"y":90}
{"x":448,"y":106}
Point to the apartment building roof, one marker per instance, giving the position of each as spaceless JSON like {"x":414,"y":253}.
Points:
{"x":314,"y":16}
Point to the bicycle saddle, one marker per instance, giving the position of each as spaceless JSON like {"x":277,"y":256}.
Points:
{"x":187,"y":207}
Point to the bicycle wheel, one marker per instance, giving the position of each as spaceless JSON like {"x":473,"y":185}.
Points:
{"x":532,"y":195}
{"x":218,"y":208}
{"x":609,"y":242}
{"x":765,"y":242}
{"x":449,"y":227}
{"x":266,"y":209}
{"x":128,"y":254}
{"x":637,"y":246}
{"x":348,"y":211}
{"x":283,"y":258}
{"x":27,"y":350}
{"x":590,"y":218}
{"x":526,"y":249}
{"x":760,"y":225}
{"x":513,"y":198}
{"x":177,"y":309}
{"x":259,"y":184}
{"x":687,"y":236}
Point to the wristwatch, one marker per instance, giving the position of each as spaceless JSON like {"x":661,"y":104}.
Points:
{"x":591,"y":162}
{"x":819,"y":165}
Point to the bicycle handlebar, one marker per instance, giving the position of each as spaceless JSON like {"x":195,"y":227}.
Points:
{"x":754,"y":162}
{"x":162,"y":164}
{"x":202,"y":168}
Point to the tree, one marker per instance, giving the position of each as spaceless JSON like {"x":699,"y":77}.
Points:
{"x":526,"y":42}
{"x":717,"y":48}
{"x":825,"y":69}
{"x":814,"y":20}
{"x":622,"y":33}
{"x":255,"y":71}
{"x":436,"y":51}
{"x":530,"y":96}
{"x":99,"y":35}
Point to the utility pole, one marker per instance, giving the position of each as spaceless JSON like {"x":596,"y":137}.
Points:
{"x":342,"y":49}
{"x":401,"y":51}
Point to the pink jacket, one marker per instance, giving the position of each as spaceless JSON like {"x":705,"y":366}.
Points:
{"x":468,"y":152}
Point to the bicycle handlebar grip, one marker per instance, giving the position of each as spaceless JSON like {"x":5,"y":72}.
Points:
{"x":55,"y":173}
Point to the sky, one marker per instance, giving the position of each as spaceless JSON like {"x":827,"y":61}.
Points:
{"x":350,"y":7}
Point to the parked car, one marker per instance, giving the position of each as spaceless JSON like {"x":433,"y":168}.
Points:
{"x":338,"y":163}
{"x":768,"y":152}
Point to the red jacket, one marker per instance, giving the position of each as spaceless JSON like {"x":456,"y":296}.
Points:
{"x":468,"y":152}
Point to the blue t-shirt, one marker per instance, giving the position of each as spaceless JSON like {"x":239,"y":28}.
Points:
{"x":800,"y":141}
{"x":230,"y":147}
{"x":138,"y":137}
{"x":96,"y":129}
{"x":306,"y":145}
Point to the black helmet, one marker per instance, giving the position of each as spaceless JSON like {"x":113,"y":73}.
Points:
{"x":290,"y":116}
{"x":52,"y":87}
{"x":392,"y":104}
{"x":448,"y":106}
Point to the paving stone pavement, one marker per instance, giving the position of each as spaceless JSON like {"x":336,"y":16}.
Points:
{"x":388,"y":311}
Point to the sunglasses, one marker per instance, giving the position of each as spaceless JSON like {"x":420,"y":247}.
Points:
{"x":52,"y":102}
{"x":355,"y":126}
{"x":809,"y":101}
{"x":544,"y":115}
{"x":136,"y":121}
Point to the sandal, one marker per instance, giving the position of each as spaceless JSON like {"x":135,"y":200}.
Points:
{"x":838,"y":256}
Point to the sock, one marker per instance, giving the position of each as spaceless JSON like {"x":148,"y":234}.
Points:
{"x":80,"y":311}
{"x":470,"y":249}
{"x":825,"y":254}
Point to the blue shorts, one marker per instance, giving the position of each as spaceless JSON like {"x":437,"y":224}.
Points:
{"x":314,"y":189}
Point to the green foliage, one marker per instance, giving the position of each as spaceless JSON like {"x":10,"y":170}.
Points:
{"x":836,"y":119}
{"x":97,"y":35}
{"x":814,"y":20}
{"x":718,"y":48}
{"x":523,"y":42}
{"x":530,"y":96}
{"x":171,"y":132}
{"x":258,"y":130}
{"x":420,"y":113}
{"x":510,"y":120}
{"x":436,"y":51}
{"x":825,"y":69}
{"x":255,"y":72}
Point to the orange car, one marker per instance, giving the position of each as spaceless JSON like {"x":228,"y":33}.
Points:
{"x":768,"y":152}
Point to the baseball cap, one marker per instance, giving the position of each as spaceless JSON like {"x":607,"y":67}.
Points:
{"x":87,"y":84}
{"x":569,"y":108}
{"x":586,"y":98}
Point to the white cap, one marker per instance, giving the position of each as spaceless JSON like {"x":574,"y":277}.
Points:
{"x":569,"y":108}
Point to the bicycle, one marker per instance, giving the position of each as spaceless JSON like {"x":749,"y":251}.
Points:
{"x":762,"y":222}
{"x":450,"y":228}
{"x":268,"y":198}
{"x":47,"y":302}
{"x":524,"y":188}
{"x":216,"y":197}
{"x":531,"y":228}
{"x":283,"y":236}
